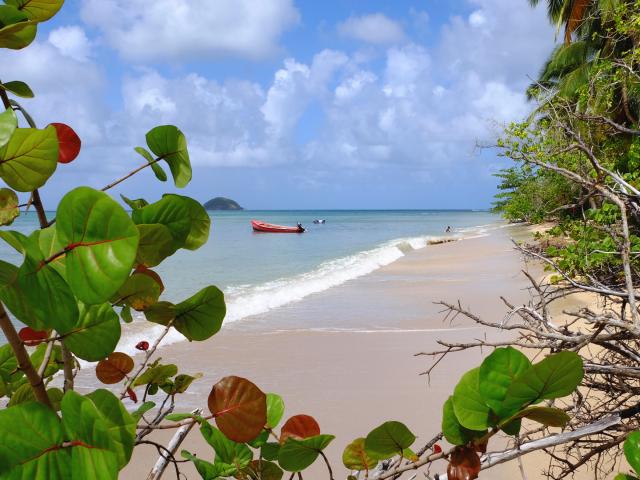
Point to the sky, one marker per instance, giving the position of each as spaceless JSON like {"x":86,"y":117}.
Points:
{"x":289,"y":104}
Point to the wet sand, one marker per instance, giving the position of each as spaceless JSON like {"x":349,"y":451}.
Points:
{"x":347,"y":355}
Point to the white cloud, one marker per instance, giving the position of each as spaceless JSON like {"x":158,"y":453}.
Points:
{"x":374,"y":28}
{"x":71,"y":42}
{"x":177,"y":30}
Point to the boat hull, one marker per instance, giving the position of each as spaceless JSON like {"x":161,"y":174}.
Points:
{"x":270,"y":228}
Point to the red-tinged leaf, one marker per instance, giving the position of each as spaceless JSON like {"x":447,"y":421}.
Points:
{"x":114,"y":368}
{"x":437,"y":448}
{"x":31,"y":337}
{"x":239,"y":407}
{"x":143,"y":345}
{"x":464,"y":464}
{"x":68,"y":143}
{"x":299,"y":427}
{"x":150,"y":273}
{"x":132,"y":395}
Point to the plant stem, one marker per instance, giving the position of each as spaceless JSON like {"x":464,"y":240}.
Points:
{"x":37,"y":203}
{"x":147,"y":357}
{"x":130,"y":174}
{"x":326,"y":461}
{"x":24,"y":362}
{"x":47,"y":357}
{"x":67,"y":360}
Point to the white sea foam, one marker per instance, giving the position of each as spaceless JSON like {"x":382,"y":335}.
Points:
{"x":248,"y":300}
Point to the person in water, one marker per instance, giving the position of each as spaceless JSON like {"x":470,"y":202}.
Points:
{"x":448,"y":230}
{"x":300,"y":227}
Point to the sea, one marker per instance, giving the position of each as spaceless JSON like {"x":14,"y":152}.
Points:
{"x":259,"y":272}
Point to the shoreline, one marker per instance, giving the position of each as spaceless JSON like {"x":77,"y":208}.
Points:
{"x":345,"y":371}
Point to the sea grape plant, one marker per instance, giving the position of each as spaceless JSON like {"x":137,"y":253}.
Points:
{"x":88,"y":269}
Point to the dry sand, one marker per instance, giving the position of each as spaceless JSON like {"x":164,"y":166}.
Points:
{"x":346,"y":355}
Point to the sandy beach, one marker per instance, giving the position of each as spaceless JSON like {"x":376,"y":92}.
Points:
{"x":351,"y":362}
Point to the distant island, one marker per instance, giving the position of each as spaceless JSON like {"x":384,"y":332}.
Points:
{"x":221,"y":203}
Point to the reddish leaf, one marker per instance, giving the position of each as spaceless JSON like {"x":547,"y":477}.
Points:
{"x":239,"y":407}
{"x":464,"y":464}
{"x":150,"y":273}
{"x":143,"y":345}
{"x":437,"y":448}
{"x":114,"y":368}
{"x":68,"y":143}
{"x":31,"y":337}
{"x":299,"y":427}
{"x":132,"y":395}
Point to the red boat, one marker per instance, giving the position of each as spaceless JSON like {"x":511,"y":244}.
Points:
{"x":259,"y":226}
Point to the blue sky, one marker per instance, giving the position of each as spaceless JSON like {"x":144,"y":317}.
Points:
{"x":290,"y":103}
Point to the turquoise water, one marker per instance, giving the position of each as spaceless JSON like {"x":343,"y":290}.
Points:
{"x":259,"y":272}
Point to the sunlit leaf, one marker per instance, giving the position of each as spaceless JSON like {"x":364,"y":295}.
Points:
{"x":275,"y":410}
{"x":29,"y":158}
{"x":17,"y":35}
{"x":468,"y":403}
{"x":134,"y":204}
{"x":556,"y":376}
{"x":263,"y":470}
{"x":114,"y":368}
{"x":227,"y":451}
{"x":156,"y":244}
{"x":239,"y":408}
{"x":8,"y":125}
{"x":497,"y":373}
{"x":455,"y":433}
{"x":156,"y":374}
{"x":547,"y":416}
{"x":632,"y":451}
{"x":100,"y":243}
{"x":208,"y":470}
{"x":355,"y":457}
{"x":9,"y":210}
{"x":141,"y":290}
{"x":39,"y":10}
{"x":170,"y":144}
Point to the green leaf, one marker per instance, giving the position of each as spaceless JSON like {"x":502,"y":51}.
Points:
{"x":624,"y":476}
{"x":38,"y":10}
{"x":547,"y":416}
{"x":100,"y":240}
{"x":142,"y":409}
{"x":389,"y":439}
{"x":89,"y":450}
{"x":96,"y":334}
{"x":121,"y":425}
{"x":157,"y":169}
{"x":24,"y":393}
{"x":17,"y":35}
{"x":269,"y":451}
{"x":9,"y":210}
{"x":632,"y":451}
{"x":134,"y":204}
{"x":227,"y":451}
{"x":48,"y":298}
{"x":125,"y":314}
{"x":208,"y":470}
{"x":200,"y":224}
{"x":455,"y":433}
{"x":296,"y":455}
{"x":497,"y":373}
{"x":263,"y":470}
{"x":556,"y":376}
{"x":180,"y":384}
{"x":173,"y":212}
{"x":141,"y":290}
{"x":8,"y":125}
{"x":200,"y":316}
{"x":275,"y":410}
{"x":156,"y":244}
{"x":170,"y":144}
{"x":29,"y":158}
{"x":355,"y":456}
{"x":18,"y":88}
{"x":156,"y":374}
{"x":468,"y":402}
